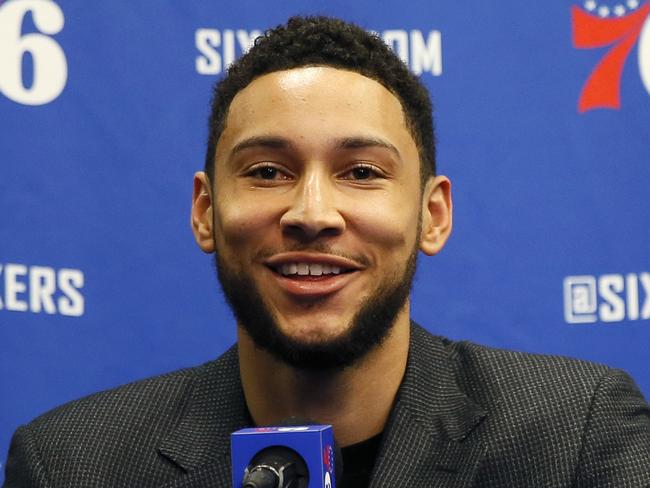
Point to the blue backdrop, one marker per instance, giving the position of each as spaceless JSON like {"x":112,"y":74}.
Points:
{"x":542,"y":111}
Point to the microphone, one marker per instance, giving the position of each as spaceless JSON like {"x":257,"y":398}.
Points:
{"x":291,"y":456}
{"x":274,"y":467}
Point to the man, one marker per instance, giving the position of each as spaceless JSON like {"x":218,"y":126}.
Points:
{"x":318,"y":192}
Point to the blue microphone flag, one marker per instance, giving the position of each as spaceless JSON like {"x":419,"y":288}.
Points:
{"x":314,"y":443}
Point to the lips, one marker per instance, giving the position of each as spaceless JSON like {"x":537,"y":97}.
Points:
{"x":306,"y":275}
{"x":308,"y":269}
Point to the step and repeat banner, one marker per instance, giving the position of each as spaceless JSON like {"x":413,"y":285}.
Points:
{"x":542,"y":110}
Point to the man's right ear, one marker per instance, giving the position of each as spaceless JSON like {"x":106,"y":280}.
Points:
{"x":201,"y":217}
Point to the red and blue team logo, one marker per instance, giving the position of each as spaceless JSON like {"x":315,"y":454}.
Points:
{"x":619,"y":25}
{"x":328,"y":458}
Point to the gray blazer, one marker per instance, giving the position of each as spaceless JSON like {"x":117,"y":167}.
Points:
{"x":465,"y":416}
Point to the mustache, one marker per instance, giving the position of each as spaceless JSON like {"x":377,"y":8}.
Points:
{"x":319,"y":248}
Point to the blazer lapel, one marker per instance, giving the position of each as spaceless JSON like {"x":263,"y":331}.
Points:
{"x":200,"y":442}
{"x":428,"y":441}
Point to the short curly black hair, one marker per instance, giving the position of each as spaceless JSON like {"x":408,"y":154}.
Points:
{"x":326,"y":41}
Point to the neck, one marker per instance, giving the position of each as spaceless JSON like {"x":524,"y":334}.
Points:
{"x":356,"y":401}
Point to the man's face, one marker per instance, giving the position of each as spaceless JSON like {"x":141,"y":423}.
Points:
{"x":316,"y":213}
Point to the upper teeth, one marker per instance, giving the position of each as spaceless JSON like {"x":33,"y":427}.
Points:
{"x":305,"y":269}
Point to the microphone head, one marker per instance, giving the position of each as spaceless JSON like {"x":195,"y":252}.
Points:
{"x":276,"y":466}
{"x":294,"y":456}
{"x":261,"y":478}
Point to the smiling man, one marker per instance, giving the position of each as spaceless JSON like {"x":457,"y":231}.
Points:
{"x":319,"y":191}
{"x":316,"y":211}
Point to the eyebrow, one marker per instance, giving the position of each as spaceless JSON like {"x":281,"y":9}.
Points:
{"x":275,"y":142}
{"x":261,"y":141}
{"x":362,"y":142}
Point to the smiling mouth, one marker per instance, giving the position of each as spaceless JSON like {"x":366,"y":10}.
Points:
{"x":299,"y":269}
{"x":309,"y":271}
{"x":312,"y":275}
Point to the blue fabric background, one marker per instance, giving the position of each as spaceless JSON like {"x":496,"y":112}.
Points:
{"x":99,"y":180}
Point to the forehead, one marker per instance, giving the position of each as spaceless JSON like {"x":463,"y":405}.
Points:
{"x":305,"y":82}
{"x":307,"y":101}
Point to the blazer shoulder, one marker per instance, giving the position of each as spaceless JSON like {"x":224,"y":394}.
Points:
{"x":97,"y":436}
{"x":491,"y":375}
{"x":534,"y":391}
{"x":145,"y":397}
{"x":509,"y":371}
{"x":584,"y":421}
{"x":549,"y":420}
{"x":136,"y":401}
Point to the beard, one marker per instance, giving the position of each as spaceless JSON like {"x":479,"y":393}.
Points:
{"x":368,"y":329}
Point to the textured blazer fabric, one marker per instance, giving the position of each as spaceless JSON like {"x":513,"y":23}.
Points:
{"x":465,"y":416}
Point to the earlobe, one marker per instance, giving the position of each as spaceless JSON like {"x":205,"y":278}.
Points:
{"x":436,"y":215}
{"x":202,"y":212}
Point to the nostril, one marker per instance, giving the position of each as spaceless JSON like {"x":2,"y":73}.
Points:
{"x":313,"y":219}
{"x":294,"y":230}
{"x":303,"y":232}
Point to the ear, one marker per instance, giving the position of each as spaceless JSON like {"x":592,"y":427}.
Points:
{"x":436,"y":215}
{"x":202,"y":212}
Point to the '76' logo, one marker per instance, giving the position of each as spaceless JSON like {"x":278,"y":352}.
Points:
{"x":619,"y":26}
{"x":49,"y":64}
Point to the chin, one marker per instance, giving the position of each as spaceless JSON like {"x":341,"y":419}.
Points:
{"x":317,"y":336}
{"x":314,"y":332}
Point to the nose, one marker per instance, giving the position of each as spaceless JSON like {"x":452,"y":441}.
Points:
{"x":313,"y":212}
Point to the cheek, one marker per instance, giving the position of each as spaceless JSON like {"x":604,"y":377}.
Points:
{"x":242,"y":224}
{"x":392,"y":226}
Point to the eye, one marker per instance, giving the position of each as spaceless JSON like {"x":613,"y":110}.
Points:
{"x":266,"y":172}
{"x":362,"y":172}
